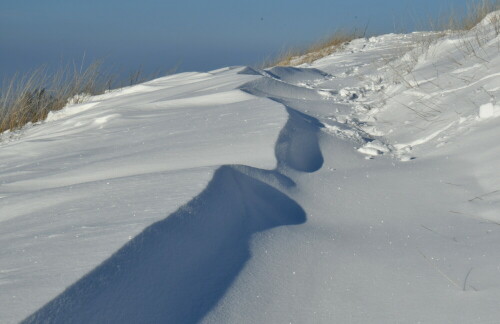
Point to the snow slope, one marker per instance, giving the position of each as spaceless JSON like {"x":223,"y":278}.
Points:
{"x":364,"y":187}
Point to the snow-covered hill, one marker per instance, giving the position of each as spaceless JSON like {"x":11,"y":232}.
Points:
{"x":363,"y":188}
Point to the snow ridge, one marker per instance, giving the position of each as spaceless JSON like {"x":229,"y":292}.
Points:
{"x":348,"y":190}
{"x":186,"y":261}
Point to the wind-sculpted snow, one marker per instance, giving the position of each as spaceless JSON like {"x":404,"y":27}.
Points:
{"x":273,"y":88}
{"x":298,"y":76}
{"x":298,"y":147}
{"x":348,"y":190}
{"x":176,"y":270}
{"x":96,"y":177}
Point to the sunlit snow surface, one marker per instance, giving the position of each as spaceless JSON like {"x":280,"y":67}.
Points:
{"x":364,"y":188}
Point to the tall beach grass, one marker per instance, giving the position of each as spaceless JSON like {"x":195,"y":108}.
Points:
{"x":28,"y":98}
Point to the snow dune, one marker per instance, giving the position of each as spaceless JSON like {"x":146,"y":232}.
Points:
{"x":177,"y":269}
{"x":361,"y":188}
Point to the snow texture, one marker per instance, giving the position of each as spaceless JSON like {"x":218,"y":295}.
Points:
{"x":361,"y":188}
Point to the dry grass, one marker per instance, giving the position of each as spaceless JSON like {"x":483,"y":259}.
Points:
{"x":315,"y":52}
{"x":471,"y":34}
{"x":470,"y":37}
{"x":455,"y":21}
{"x":477,"y":12}
{"x":453,"y":24}
{"x":29,"y":98}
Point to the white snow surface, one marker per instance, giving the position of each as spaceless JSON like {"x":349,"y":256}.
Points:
{"x":361,"y":188}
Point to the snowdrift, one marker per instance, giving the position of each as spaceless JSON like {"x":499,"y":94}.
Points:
{"x":363,"y":187}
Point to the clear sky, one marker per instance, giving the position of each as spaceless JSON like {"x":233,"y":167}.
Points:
{"x":191,"y":34}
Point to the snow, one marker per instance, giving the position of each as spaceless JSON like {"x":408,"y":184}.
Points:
{"x":489,"y":110}
{"x":363,"y":187}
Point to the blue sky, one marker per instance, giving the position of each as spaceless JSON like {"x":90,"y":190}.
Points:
{"x":190,"y":34}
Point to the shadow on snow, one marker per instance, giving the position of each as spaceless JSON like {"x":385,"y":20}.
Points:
{"x":177,"y":269}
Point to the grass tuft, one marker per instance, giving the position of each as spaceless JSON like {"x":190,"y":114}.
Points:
{"x":475,"y":12}
{"x":316,"y":51}
{"x":30,"y":97}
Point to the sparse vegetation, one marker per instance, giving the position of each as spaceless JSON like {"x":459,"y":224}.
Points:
{"x":29,"y":98}
{"x":316,"y":51}
{"x":476,"y":11}
{"x":453,"y":24}
{"x":469,"y":38}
